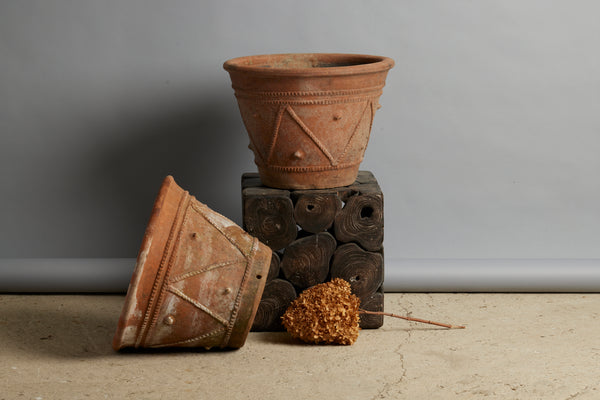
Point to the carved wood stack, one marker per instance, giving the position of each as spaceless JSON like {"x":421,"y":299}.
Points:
{"x":317,"y":235}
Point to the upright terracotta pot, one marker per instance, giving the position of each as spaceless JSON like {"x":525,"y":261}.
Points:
{"x":198,"y":279}
{"x":308,"y":116}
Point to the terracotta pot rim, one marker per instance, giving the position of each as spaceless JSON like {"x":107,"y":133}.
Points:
{"x":147,"y":264}
{"x":309,"y":64}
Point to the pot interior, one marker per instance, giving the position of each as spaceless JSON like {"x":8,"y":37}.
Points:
{"x":302,"y":61}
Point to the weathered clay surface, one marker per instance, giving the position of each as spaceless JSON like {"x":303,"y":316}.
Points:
{"x":198,"y":279}
{"x":308,"y":116}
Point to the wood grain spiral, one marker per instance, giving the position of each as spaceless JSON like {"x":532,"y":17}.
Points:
{"x":276,"y":298}
{"x":315,"y":211}
{"x":361,"y":221}
{"x":271,"y":220}
{"x":363,"y":269}
{"x":305,"y":262}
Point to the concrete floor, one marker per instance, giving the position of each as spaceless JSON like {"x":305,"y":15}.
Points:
{"x":515,"y":346}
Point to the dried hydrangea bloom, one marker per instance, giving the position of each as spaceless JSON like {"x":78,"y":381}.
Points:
{"x":324,"y":314}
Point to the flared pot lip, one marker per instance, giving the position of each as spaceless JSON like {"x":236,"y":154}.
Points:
{"x":309,"y":64}
{"x":140,"y":292}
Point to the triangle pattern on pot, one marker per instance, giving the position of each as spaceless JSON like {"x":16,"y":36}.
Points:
{"x":295,"y":143}
{"x":189,"y":324}
{"x":207,"y":291}
{"x":202,"y":286}
{"x":255,"y":118}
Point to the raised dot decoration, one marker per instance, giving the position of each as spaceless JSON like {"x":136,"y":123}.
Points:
{"x":299,"y":155}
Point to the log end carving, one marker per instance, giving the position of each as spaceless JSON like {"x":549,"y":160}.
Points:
{"x":276,"y":298}
{"x":305,"y":262}
{"x":363,"y":269}
{"x":361,"y":221}
{"x":269,"y":216}
{"x":314,"y":212}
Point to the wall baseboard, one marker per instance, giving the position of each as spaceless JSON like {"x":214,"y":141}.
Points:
{"x":65,"y":275}
{"x":492,"y":275}
{"x":112,"y":275}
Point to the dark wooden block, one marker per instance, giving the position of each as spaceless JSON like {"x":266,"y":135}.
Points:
{"x":276,"y":298}
{"x":361,"y":268}
{"x":268,"y":213}
{"x":305,"y":262}
{"x":372,"y":303}
{"x":318,"y":235}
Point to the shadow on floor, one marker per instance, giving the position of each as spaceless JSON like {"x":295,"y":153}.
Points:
{"x":68,"y":326}
{"x":82,"y":327}
{"x":277,"y":338}
{"x":59,"y":327}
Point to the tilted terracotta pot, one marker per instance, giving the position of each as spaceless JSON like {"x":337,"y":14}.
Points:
{"x":308,"y":116}
{"x":198,"y":279}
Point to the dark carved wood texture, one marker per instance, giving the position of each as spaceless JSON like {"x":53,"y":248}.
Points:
{"x":318,"y":235}
{"x":274,"y":267}
{"x":362,"y":269}
{"x":314,"y":211}
{"x":276,"y":298}
{"x":306,"y":261}
{"x":373,"y":302}
{"x":361,"y":221}
{"x":269,"y":216}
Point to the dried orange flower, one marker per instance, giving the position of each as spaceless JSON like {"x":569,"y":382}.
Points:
{"x":324,"y":314}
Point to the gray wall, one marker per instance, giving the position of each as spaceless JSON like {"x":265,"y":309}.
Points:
{"x":487,"y":144}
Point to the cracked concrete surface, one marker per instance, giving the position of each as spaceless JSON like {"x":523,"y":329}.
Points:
{"x":516,"y":346}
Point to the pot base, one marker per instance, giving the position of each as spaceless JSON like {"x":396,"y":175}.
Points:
{"x":308,"y":179}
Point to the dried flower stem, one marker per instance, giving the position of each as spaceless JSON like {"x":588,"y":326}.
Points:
{"x":361,"y":311}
